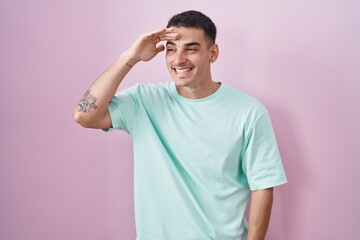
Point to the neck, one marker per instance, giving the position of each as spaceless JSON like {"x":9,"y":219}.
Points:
{"x":198,"y":91}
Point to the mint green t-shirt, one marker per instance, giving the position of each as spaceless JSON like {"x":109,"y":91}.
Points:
{"x":196,"y":160}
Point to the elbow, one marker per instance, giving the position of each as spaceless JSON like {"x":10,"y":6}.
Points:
{"x":81,"y":119}
{"x":89,"y":120}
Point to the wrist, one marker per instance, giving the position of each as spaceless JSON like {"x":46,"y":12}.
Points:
{"x":129,"y":60}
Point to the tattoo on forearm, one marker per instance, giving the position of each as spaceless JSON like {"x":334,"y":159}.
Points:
{"x":87,"y":102}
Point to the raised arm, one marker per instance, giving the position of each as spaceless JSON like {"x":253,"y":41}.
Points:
{"x":92,"y":110}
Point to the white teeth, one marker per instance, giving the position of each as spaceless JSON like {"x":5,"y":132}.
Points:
{"x":182,"y":70}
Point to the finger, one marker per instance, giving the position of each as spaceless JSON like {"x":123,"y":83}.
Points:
{"x":160,"y":48}
{"x":159,"y":32}
{"x":162,"y":34}
{"x":172,"y":34}
{"x":169,"y":36}
{"x":156,"y":32}
{"x":169,"y":30}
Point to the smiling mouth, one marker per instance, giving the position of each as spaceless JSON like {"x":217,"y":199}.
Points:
{"x":182,"y":69}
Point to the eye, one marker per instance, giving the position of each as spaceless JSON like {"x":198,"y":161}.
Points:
{"x":191,"y":49}
{"x":170,"y":50}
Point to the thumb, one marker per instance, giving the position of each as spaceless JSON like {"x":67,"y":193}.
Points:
{"x":160,"y":48}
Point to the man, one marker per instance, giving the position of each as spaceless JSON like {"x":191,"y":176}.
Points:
{"x":200,"y":146}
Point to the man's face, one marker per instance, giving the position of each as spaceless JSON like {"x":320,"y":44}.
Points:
{"x":188,"y":58}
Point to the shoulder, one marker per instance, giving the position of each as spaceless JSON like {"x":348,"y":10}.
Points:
{"x":145,"y":90}
{"x":243,"y":101}
{"x":248,"y":110}
{"x":150,"y":88}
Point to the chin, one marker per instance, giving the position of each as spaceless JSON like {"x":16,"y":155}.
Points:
{"x":182,"y":82}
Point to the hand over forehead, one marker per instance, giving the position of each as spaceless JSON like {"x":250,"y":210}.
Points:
{"x":164,"y":34}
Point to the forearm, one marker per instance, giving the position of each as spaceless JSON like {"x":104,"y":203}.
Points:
{"x":94,"y":104}
{"x":260,"y":211}
{"x":92,"y":110}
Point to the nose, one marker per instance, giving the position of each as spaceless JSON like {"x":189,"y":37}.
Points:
{"x":179,"y":58}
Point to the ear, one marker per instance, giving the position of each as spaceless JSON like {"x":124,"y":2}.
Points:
{"x":214,"y":52}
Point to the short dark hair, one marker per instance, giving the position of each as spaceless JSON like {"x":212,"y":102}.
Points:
{"x":195,"y":19}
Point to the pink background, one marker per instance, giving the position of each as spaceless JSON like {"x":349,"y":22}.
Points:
{"x":59,"y":181}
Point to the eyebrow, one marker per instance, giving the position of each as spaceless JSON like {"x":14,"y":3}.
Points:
{"x":186,"y":44}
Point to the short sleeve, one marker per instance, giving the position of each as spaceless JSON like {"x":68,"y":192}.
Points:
{"x":261,"y":162}
{"x":123,"y":109}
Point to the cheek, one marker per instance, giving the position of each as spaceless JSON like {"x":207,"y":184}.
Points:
{"x":202,"y":59}
{"x":201,"y":62}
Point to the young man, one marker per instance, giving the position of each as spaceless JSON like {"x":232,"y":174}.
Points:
{"x":200,"y":146}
